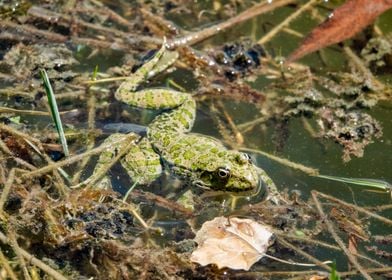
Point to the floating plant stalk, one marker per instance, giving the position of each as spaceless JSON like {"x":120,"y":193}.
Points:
{"x":373,"y":183}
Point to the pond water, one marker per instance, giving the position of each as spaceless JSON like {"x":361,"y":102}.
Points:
{"x":287,"y":138}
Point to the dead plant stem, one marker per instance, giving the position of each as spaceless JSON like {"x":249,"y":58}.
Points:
{"x":286,"y":22}
{"x":5,"y":264}
{"x":65,"y":162}
{"x":355,"y":207}
{"x":245,"y":127}
{"x":338,"y":240}
{"x":234,"y":129}
{"x":7,"y":188}
{"x":23,"y":112}
{"x":362,"y":68}
{"x":306,"y":239}
{"x":303,"y":253}
{"x":127,"y":142}
{"x":19,"y":134}
{"x":15,"y":246}
{"x":308,"y":170}
{"x":91,"y":108}
{"x":196,"y":37}
{"x":31,"y":259}
{"x":368,"y":270}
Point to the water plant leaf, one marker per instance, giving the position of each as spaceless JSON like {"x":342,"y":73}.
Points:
{"x":345,"y":21}
{"x":231,"y":242}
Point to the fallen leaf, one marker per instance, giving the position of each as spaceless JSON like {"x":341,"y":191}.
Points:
{"x":318,"y":277}
{"x":342,"y":24}
{"x":231,"y":242}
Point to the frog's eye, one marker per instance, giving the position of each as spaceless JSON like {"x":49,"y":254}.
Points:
{"x":223,"y":173}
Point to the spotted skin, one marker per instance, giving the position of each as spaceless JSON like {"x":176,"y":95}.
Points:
{"x":201,"y":160}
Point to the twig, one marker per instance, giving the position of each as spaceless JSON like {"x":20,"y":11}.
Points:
{"x":7,"y":188}
{"x":262,"y":274}
{"x":4,"y":263}
{"x":19,"y":134}
{"x":162,"y":25}
{"x":15,"y":246}
{"x":48,"y":15}
{"x":226,"y":133}
{"x":369,"y":270}
{"x":306,"y":239}
{"x":126,"y":143}
{"x":286,"y":22}
{"x":107,"y":12}
{"x":59,"y":182}
{"x":338,"y":240}
{"x":70,"y":160}
{"x":308,"y":170}
{"x":245,"y":127}
{"x":381,"y":207}
{"x":196,"y":37}
{"x":355,"y":207}
{"x":363,"y":69}
{"x":33,"y":260}
{"x":303,"y":253}
{"x":23,"y":112}
{"x":91,"y":107}
{"x":235,"y":131}
{"x":163,"y":202}
{"x":286,"y":274}
{"x":109,"y":32}
{"x":27,"y":32}
{"x":135,"y":213}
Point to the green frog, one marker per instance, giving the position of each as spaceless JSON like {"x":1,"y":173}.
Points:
{"x":201,"y":160}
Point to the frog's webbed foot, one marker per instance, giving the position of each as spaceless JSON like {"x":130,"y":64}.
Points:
{"x":158,"y":63}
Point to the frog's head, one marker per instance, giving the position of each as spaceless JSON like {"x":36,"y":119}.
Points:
{"x":234,"y":171}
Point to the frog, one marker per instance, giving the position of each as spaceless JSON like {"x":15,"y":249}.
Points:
{"x":169,"y":144}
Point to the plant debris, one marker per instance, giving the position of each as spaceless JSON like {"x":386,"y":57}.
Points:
{"x":54,"y":221}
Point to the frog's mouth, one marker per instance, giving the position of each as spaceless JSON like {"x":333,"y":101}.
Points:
{"x":224,"y":188}
{"x":202,"y":185}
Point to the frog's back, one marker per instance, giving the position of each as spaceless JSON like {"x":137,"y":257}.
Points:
{"x":192,"y":151}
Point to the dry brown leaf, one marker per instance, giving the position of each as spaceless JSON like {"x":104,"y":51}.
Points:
{"x":231,"y":242}
{"x":344,"y":23}
{"x":318,"y":277}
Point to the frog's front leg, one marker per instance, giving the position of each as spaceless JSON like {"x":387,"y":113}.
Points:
{"x":116,"y":143}
{"x":141,"y":162}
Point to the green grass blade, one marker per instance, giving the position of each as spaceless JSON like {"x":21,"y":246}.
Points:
{"x":95,"y":73}
{"x":373,"y":183}
{"x":334,"y":275}
{"x":54,"y":110}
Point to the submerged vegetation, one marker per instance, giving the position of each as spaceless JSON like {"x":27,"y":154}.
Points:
{"x":59,"y":219}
